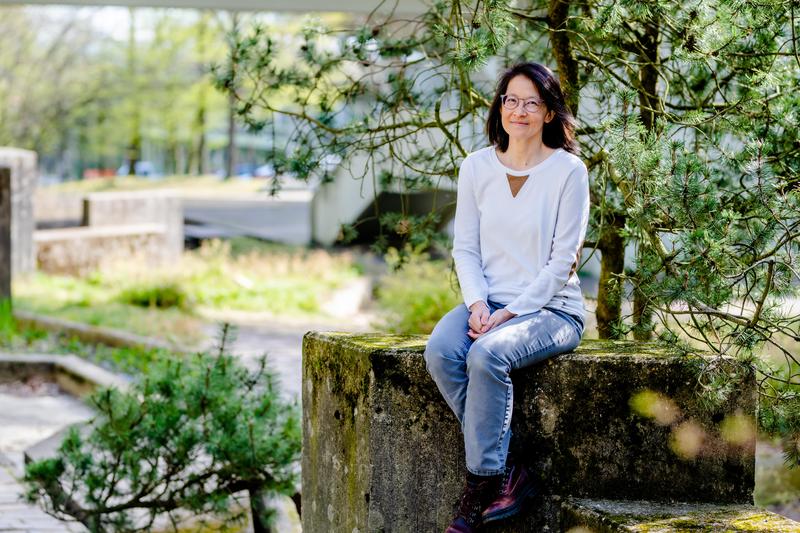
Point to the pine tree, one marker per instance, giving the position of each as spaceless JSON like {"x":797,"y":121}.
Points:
{"x":688,"y":122}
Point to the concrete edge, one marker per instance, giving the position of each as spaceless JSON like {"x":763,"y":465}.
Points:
{"x":376,"y":343}
{"x":96,"y":334}
{"x":74,"y":374}
{"x":611,"y":516}
{"x":125,"y":230}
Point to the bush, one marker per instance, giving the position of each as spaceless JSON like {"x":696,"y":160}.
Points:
{"x":188,"y":436}
{"x":158,"y":294}
{"x":416,"y":293}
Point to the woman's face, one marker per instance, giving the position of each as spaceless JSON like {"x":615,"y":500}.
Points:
{"x":522,"y":125}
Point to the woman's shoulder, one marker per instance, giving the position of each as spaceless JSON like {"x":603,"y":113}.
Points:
{"x":480,"y":154}
{"x":572,"y":161}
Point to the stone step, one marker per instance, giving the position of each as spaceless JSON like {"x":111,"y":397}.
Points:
{"x":609,"y":516}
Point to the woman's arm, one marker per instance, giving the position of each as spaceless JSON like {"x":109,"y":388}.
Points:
{"x":571,"y":222}
{"x":466,"y":240}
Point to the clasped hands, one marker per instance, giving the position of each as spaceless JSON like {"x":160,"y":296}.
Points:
{"x":481,"y":321}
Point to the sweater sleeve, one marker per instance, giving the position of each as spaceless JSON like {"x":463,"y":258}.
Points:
{"x":570,"y":230}
{"x":466,"y":239}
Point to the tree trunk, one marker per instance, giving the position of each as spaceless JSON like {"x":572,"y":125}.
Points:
{"x":135,"y":143}
{"x":558,"y":15}
{"x":261,"y":514}
{"x":230,"y":152}
{"x":650,"y":105}
{"x":642,"y":317}
{"x":609,"y":295}
{"x":199,"y":158}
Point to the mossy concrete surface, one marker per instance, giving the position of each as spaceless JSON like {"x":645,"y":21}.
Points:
{"x":383,"y":452}
{"x":607,"y":516}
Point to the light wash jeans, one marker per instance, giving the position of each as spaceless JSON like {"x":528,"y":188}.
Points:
{"x":473,"y":376}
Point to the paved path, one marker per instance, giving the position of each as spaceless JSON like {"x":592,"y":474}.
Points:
{"x":283,"y":343}
{"x":28,"y":416}
{"x":19,"y":517}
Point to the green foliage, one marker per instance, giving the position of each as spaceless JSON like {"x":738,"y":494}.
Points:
{"x":415,"y":293}
{"x":171,"y":302}
{"x":69,"y":84}
{"x":8,"y":326}
{"x":161,"y":295}
{"x":187,"y":436}
{"x":687,"y":119}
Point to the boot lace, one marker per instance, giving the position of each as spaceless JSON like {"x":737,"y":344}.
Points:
{"x":472,"y":502}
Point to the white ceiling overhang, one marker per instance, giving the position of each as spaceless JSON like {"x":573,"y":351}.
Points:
{"x":403,"y":7}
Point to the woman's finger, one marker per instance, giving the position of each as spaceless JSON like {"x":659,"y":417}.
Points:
{"x":474,"y":322}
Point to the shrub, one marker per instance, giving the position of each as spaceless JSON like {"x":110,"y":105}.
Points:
{"x":156,"y":294}
{"x":416,"y":293}
{"x":187,"y":436}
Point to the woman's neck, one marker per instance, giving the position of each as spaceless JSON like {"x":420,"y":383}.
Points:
{"x":521,"y":155}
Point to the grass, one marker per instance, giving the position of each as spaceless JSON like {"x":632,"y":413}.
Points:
{"x":176,"y":301}
{"x":190,"y":185}
{"x":414,"y":296}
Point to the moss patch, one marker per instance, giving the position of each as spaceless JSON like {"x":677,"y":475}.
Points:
{"x":647,"y":517}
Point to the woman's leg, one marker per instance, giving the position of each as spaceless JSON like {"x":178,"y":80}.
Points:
{"x":522,"y":341}
{"x":446,"y":358}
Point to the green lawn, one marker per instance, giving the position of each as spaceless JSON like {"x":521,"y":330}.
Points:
{"x":173,"y":302}
{"x":185,"y":184}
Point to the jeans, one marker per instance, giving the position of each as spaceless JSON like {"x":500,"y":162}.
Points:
{"x":473,"y":376}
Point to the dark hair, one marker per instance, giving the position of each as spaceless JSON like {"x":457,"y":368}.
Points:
{"x":559,"y":132}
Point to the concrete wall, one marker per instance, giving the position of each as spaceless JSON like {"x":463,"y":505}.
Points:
{"x":79,"y":251}
{"x":139,"y":207}
{"x":383,"y":452}
{"x":141,"y":225}
{"x":24,"y":174}
{"x":57,"y":209}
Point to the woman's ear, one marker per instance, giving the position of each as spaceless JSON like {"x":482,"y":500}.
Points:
{"x":550,"y":115}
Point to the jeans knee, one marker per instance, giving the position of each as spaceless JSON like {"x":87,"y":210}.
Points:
{"x":435,"y":359}
{"x":484,"y":361}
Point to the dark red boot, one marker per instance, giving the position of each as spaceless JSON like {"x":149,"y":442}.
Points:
{"x":517,"y":486}
{"x":478,"y":493}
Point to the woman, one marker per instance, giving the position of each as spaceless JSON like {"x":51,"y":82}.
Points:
{"x":521,"y":216}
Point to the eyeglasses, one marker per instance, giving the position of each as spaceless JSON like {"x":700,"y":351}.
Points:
{"x":512,"y":102}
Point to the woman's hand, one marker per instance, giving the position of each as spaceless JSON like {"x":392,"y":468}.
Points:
{"x":479,"y":316}
{"x":496,"y":318}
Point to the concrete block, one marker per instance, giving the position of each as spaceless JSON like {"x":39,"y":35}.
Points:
{"x":24,"y":175}
{"x":383,"y":452}
{"x":79,"y":251}
{"x":162,"y":207}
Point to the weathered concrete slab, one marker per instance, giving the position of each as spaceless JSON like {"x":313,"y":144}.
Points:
{"x":79,"y":251}
{"x":383,"y":452}
{"x":73,"y":375}
{"x":607,"y":516}
{"x":122,"y":208}
{"x":24,"y":175}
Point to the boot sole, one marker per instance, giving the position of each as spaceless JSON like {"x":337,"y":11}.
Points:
{"x":514,"y":509}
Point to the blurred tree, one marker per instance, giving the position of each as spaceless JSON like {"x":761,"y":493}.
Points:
{"x":82,"y":98}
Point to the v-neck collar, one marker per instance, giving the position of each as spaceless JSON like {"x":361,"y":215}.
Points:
{"x":518,"y":181}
